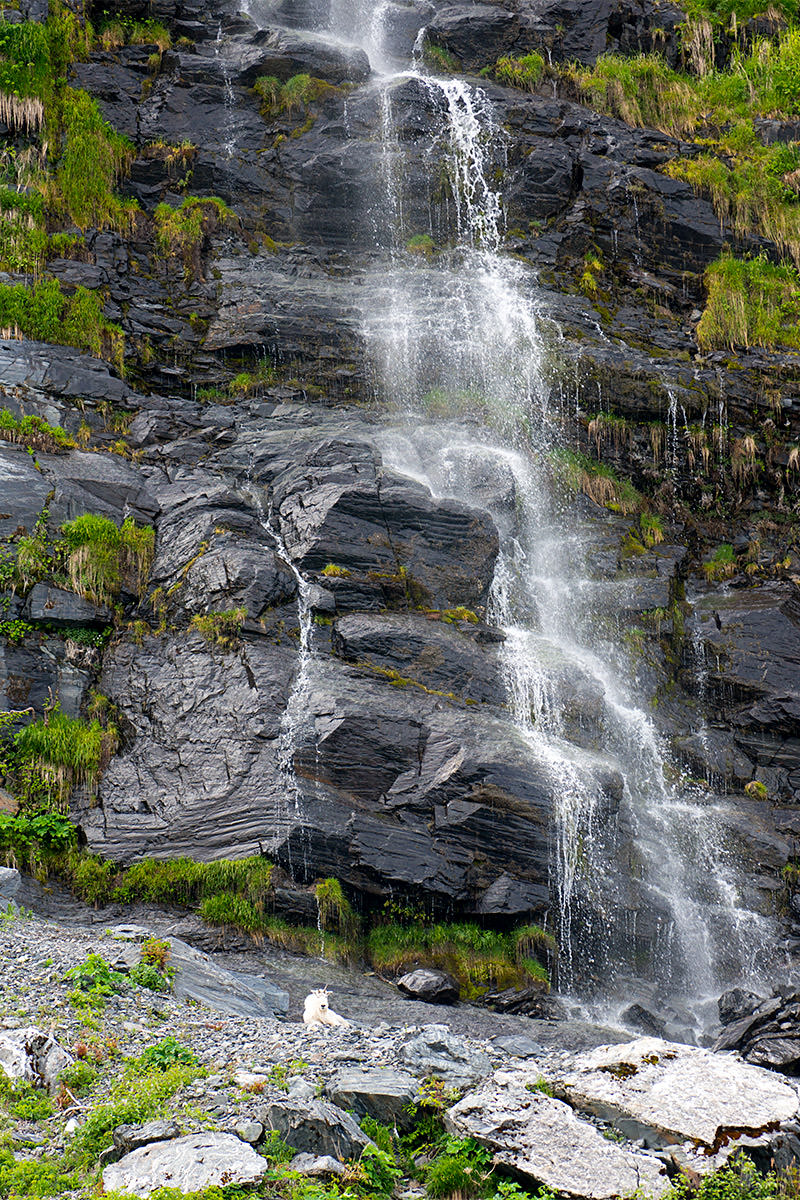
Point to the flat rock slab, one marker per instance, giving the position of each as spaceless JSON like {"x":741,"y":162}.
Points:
{"x":198,"y":978}
{"x":668,"y":1092}
{"x":187,"y":1164}
{"x":382,"y":1094}
{"x":543,"y":1140}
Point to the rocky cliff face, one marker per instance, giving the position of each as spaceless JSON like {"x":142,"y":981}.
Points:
{"x":359,"y":722}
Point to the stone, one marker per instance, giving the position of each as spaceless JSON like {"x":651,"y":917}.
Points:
{"x":131,"y":1137}
{"x":198,"y":978}
{"x":321,"y":1166}
{"x":383,"y":1094}
{"x":33,"y":1056}
{"x":665,"y":1092}
{"x":736,"y":1004}
{"x":187,"y":1164}
{"x":519,"y":1045}
{"x":62,"y":609}
{"x":437,"y":1051}
{"x":429,"y":985}
{"x":249,"y":1131}
{"x":543,"y":1142}
{"x":315,"y":1127}
{"x":640,"y":1018}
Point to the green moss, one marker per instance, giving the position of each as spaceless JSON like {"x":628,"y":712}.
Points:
{"x":440,"y":59}
{"x":421,"y":243}
{"x":578,"y":473}
{"x":332,"y":571}
{"x":722,"y":564}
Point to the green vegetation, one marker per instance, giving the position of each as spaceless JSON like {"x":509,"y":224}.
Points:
{"x":478,"y":958}
{"x":578,"y":473}
{"x":751,"y":302}
{"x":335,"y":911}
{"x":94,"y":982}
{"x":440,"y":59}
{"x":222,"y":629}
{"x":756,"y":790}
{"x":295,"y":95}
{"x":166,"y":1054}
{"x":524,"y":73}
{"x":94,"y":158}
{"x":153,"y":970}
{"x":34,"y":433}
{"x":721,"y":565}
{"x":115,"y":32}
{"x":44,"y":313}
{"x":422,"y":244}
{"x":55,"y":754}
{"x":102,"y":556}
{"x":180,"y":232}
{"x":332,"y":571}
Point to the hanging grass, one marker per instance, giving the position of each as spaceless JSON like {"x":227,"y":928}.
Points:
{"x":102,"y":556}
{"x":58,"y":753}
{"x":44,"y":313}
{"x":578,"y":473}
{"x":34,"y":433}
{"x":180,"y":231}
{"x":335,"y":911}
{"x":750,"y":302}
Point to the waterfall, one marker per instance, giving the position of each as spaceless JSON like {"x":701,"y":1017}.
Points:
{"x":465,"y":365}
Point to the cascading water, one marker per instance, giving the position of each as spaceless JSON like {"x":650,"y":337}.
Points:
{"x":463,"y":362}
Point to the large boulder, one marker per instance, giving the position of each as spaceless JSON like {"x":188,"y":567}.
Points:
{"x":33,"y":1057}
{"x":766,"y":1033}
{"x":384,"y":1094}
{"x":543,"y":1141}
{"x":314,"y":1127}
{"x":434,"y":987}
{"x":668,"y":1092}
{"x":437,"y":1051}
{"x":187,"y":1164}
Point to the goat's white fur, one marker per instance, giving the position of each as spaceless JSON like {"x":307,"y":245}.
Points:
{"x":316,"y":1011}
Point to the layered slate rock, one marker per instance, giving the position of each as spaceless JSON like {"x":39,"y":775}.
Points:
{"x":668,"y":1092}
{"x":315,"y":1127}
{"x":765,"y":1032}
{"x":542,"y":1140}
{"x":188,"y":1164}
{"x":383,"y":1094}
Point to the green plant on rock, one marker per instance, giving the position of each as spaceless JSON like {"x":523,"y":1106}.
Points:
{"x":34,"y":432}
{"x":44,"y":313}
{"x":153,"y":970}
{"x":165,"y":1054}
{"x":181,"y":232}
{"x":222,"y":629}
{"x":297,"y":94}
{"x":28,"y":1103}
{"x":103,"y":556}
{"x":94,"y":982}
{"x":578,"y":473}
{"x":335,"y":911}
{"x":94,"y":158}
{"x":524,"y":72}
{"x":422,"y":244}
{"x":332,"y":571}
{"x":463,"y":1168}
{"x":58,"y":753}
{"x":440,"y":58}
{"x":721,"y":565}
{"x":750,"y":302}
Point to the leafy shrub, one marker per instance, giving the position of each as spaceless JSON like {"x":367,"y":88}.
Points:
{"x":94,"y":982}
{"x":165,"y":1054}
{"x":30,"y":1104}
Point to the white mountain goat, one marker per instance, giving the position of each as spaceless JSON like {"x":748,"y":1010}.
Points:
{"x":316,"y":1011}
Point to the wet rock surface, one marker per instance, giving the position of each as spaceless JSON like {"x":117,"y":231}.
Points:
{"x":188,"y":1163}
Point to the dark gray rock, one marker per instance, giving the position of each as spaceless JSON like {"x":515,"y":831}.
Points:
{"x":640,"y":1018}
{"x":60,"y":608}
{"x":315,"y":1127}
{"x":130,"y":1137}
{"x":383,"y":1094}
{"x":434,"y":987}
{"x":477,"y":34}
{"x":736,"y":1004}
{"x":198,"y":978}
